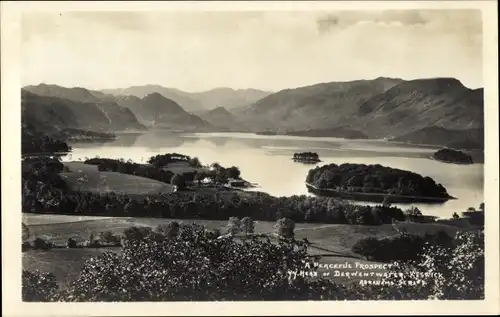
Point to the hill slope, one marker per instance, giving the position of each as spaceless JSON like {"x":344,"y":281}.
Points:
{"x":440,"y":108}
{"x":180,"y":97}
{"x":470,"y":139}
{"x":423,"y":103}
{"x":229,"y":98}
{"x":222,"y":119}
{"x":198,"y":101}
{"x":319,"y":106}
{"x":166,"y":113}
{"x":49,"y":113}
{"x":77,"y":108}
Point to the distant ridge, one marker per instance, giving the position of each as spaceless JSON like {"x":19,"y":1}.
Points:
{"x":196,"y":101}
{"x":384,"y":107}
{"x":75,"y":108}
{"x":435,"y":111}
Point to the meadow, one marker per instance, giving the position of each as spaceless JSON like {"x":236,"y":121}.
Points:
{"x":86,"y":177}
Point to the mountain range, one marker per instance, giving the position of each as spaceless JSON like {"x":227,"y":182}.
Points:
{"x":198,"y":101}
{"x":438,"y":111}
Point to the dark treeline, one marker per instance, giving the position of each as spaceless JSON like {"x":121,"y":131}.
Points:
{"x":77,"y":134}
{"x":453,"y":156}
{"x":42,"y":144}
{"x":46,"y":193}
{"x":218,"y":175}
{"x":374,"y":179}
{"x":162,"y":160}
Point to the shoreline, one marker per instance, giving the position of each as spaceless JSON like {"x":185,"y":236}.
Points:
{"x":375,"y":197}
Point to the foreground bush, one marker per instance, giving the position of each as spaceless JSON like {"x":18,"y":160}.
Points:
{"x":37,"y":286}
{"x":198,"y":264}
{"x":195,"y":266}
{"x":400,"y":247}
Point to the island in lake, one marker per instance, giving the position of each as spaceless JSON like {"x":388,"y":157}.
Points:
{"x":452,"y":156}
{"x":306,"y":157}
{"x":374,"y":183}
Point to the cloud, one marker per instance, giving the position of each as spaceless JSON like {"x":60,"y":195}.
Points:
{"x":446,"y":19}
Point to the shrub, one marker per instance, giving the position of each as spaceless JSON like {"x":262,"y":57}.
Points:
{"x":285,"y":228}
{"x":71,"y":243}
{"x":107,"y":237}
{"x":452,"y":273}
{"x":401,"y":247}
{"x":25,"y":246}
{"x":169,"y":230}
{"x":178,"y":181}
{"x":194,"y":267}
{"x":134,"y":235}
{"x":367,"y":247}
{"x":42,"y":244}
{"x":234,"y":225}
{"x":38,"y":287}
{"x":248,"y":225}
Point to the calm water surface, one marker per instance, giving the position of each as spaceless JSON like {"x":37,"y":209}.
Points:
{"x":266,"y":160}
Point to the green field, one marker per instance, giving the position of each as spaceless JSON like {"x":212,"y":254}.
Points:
{"x":333,"y":242}
{"x":86,"y":177}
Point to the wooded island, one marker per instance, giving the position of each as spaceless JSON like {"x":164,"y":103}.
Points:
{"x":306,"y":157}
{"x":452,"y":156}
{"x":373,"y":183}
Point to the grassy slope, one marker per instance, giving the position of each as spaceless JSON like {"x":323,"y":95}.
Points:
{"x":96,"y":181}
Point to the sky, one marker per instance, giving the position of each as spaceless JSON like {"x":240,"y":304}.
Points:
{"x":273,"y":50}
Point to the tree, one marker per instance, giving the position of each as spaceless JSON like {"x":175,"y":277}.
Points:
{"x":71,"y":243}
{"x":178,"y":181}
{"x":233,"y":172}
{"x":170,"y":230}
{"x":455,"y":216}
{"x":220,"y":177}
{"x":481,"y":207}
{"x":38,"y":286}
{"x":413,"y":212}
{"x":42,"y":244}
{"x":109,"y":238}
{"x":199,"y":176}
{"x":285,"y":227}
{"x":197,"y":267}
{"x":455,"y":272}
{"x":195,"y":162}
{"x":25,"y":232}
{"x":248,"y":225}
{"x":386,"y":202}
{"x":234,"y":225}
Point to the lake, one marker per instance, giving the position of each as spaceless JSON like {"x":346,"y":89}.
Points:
{"x":266,"y":160}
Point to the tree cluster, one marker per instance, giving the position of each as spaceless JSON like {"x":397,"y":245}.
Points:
{"x":453,"y":156}
{"x":374,"y":179}
{"x":42,"y":144}
{"x":162,"y":160}
{"x":400,"y":247}
{"x":309,"y":156}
